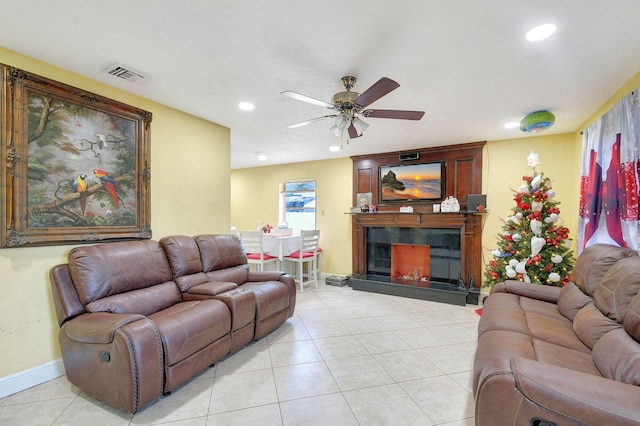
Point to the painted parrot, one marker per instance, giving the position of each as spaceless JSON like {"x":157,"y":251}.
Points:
{"x":80,"y":186}
{"x":109,"y":183}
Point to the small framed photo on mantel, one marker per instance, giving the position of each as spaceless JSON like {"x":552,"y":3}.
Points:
{"x":364,"y":200}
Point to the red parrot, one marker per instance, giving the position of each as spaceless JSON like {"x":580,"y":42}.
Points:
{"x":80,"y":185}
{"x":109,"y":183}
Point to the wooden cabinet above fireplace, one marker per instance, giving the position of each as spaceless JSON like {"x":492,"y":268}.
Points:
{"x":461,"y":174}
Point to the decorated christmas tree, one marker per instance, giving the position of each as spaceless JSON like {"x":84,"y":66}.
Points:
{"x":533,"y":246}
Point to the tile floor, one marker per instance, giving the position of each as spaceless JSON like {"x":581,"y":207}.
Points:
{"x":345,"y":358}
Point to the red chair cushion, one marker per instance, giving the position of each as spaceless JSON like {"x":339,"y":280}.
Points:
{"x":256,"y":256}
{"x":304,"y":254}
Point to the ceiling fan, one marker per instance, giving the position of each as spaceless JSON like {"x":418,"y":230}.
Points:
{"x":350,"y":107}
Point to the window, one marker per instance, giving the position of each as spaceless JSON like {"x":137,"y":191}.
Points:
{"x":298,"y":204}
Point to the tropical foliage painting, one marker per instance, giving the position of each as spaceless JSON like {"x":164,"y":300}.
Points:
{"x":81,"y":165}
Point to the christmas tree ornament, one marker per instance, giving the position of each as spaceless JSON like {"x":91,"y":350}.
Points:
{"x":556,"y":258}
{"x":536,"y":181}
{"x":513,"y":263}
{"x":552,"y":218}
{"x":533,"y":160}
{"x":511,"y":273}
{"x":536,"y":227}
{"x":536,"y":206}
{"x":550,"y":193}
{"x":554,"y":277}
{"x":536,"y":245}
{"x":516,"y":237}
{"x":521,"y":267}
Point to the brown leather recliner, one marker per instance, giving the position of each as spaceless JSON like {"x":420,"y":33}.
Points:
{"x":563,"y":356}
{"x":134,"y":325}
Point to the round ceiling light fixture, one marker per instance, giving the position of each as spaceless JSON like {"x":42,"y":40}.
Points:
{"x":537,"y":121}
{"x":246,"y":106}
{"x":541,"y":32}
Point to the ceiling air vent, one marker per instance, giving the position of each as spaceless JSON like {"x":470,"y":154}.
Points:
{"x":125,"y":73}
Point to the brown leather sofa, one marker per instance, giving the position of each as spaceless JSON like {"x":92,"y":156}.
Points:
{"x":563,"y":356}
{"x":139,"y":318}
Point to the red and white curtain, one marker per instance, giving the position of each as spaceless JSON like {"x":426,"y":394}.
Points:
{"x":610,"y":181}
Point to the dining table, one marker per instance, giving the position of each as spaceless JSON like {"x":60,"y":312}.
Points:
{"x":280,"y":246}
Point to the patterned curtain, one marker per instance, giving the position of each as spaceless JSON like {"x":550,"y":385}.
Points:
{"x":610,"y":177}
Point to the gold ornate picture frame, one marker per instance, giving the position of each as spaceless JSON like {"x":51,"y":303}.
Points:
{"x":75,"y":165}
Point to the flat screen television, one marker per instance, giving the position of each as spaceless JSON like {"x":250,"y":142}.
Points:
{"x":413,"y":182}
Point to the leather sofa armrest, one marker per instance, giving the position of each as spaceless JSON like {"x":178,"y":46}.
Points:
{"x":257,"y":276}
{"x":533,"y":291}
{"x":584,"y":397}
{"x":98,"y":327}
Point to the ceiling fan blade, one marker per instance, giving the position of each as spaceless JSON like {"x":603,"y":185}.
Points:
{"x":375,"y":92}
{"x":308,"y":99}
{"x":393,"y":113}
{"x":353,"y":133}
{"x":307,"y":122}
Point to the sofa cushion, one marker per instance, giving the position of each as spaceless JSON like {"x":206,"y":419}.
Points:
{"x":144,"y":301}
{"x":618,"y":287}
{"x":594,"y":262}
{"x":632,"y":319}
{"x":590,"y":325}
{"x":107,"y":269}
{"x":183,"y":255}
{"x":617,"y":356}
{"x":188,"y":327}
{"x":220,"y":251}
{"x":571,"y":300}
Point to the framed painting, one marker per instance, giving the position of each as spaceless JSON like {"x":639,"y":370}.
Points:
{"x":75,"y":165}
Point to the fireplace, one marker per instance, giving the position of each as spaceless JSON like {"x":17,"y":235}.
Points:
{"x":432,"y":256}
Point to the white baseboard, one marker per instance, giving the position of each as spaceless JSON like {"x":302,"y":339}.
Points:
{"x":28,"y":378}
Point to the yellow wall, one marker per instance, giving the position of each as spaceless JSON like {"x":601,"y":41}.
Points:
{"x":189,"y":195}
{"x":254,"y":200}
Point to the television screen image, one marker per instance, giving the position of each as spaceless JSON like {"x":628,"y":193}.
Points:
{"x":413,"y":182}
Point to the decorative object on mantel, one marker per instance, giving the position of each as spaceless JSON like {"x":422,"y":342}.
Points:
{"x":537,"y":121}
{"x":450,"y":204}
{"x":406,"y":209}
{"x":364,"y":201}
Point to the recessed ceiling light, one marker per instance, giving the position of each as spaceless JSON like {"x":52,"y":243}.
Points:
{"x":262,"y":157}
{"x":511,"y":124}
{"x":334,"y":148}
{"x":541,"y":32}
{"x":246,"y":106}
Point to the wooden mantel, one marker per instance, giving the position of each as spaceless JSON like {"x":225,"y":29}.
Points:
{"x":469,"y":224}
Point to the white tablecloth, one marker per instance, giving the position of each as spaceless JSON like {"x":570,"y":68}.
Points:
{"x":281,"y":246}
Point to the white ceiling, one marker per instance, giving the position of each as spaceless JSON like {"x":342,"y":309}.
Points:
{"x":465,"y":62}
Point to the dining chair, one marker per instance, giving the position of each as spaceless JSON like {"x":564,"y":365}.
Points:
{"x":306,"y":256}
{"x":252,"y":243}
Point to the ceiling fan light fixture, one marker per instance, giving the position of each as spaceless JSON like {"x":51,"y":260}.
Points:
{"x":335,"y":130}
{"x":360,"y":125}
